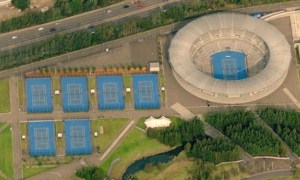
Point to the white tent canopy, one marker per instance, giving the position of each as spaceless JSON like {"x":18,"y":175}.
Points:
{"x":152,"y":122}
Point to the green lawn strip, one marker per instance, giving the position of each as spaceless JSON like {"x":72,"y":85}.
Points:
{"x":162,"y":84}
{"x":128,"y":84}
{"x":28,"y":172}
{"x":111,"y":128}
{"x":23,"y":129}
{"x":134,"y":146}
{"x":92,"y":85}
{"x":4,"y":98}
{"x":59,"y":129}
{"x":6,"y":156}
{"x":21,"y":91}
{"x":297,"y":54}
{"x":56,"y":86}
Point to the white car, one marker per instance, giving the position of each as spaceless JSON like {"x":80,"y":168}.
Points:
{"x":108,"y":11}
{"x":14,"y":37}
{"x":41,"y":28}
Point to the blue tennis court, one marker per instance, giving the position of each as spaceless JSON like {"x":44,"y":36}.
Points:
{"x":38,"y":95}
{"x":229,"y":65}
{"x":146,"y":92}
{"x":110,"y":92}
{"x":78,"y":136}
{"x":74,"y":94}
{"x":41,"y":138}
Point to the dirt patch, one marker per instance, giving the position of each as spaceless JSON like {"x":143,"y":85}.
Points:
{"x":41,"y":3}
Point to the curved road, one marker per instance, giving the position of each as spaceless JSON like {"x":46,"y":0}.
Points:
{"x":77,"y":22}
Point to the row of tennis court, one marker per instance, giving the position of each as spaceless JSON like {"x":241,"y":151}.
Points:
{"x":42,"y":135}
{"x":74,"y":93}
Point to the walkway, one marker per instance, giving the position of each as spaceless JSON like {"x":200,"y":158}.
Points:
{"x":292,"y":97}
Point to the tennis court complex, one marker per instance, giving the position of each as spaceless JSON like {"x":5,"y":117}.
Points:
{"x":146,"y":92}
{"x":38,"y":95}
{"x":78,"y":136}
{"x":74,"y":94}
{"x":110,"y":92}
{"x":229,"y":65}
{"x":41,"y":138}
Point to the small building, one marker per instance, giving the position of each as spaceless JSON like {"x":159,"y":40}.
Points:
{"x":152,"y":122}
{"x":154,"y":67}
{"x":56,"y":92}
{"x":93,"y":91}
{"x":59,"y":135}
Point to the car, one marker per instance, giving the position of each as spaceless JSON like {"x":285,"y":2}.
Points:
{"x":14,"y":37}
{"x":126,"y":6}
{"x":52,"y":30}
{"x":41,"y":28}
{"x":108,"y":11}
{"x":91,"y":27}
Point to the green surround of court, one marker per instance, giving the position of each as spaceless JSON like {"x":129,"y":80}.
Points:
{"x":6,"y":155}
{"x":4,"y":98}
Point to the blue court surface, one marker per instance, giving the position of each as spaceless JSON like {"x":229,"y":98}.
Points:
{"x":146,"y":92}
{"x":38,"y":95}
{"x":78,"y":136}
{"x":229,"y":65}
{"x":41,"y":138}
{"x":74,"y":94}
{"x":110,"y":92}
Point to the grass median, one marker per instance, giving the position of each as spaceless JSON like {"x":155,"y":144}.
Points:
{"x":24,"y":142}
{"x":59,"y":128}
{"x":56,"y":86}
{"x":6,"y":156}
{"x":4,"y":98}
{"x":92,"y":85}
{"x":21,"y":91}
{"x":134,"y":146}
{"x":128,"y":84}
{"x":111,"y":128}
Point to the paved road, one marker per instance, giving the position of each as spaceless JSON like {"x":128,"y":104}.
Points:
{"x":75,"y":23}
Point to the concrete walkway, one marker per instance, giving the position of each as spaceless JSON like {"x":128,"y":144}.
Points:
{"x":292,"y":97}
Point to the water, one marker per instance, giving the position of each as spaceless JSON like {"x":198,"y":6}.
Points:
{"x":154,"y":159}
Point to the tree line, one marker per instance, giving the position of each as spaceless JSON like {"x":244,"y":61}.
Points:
{"x":213,"y":150}
{"x":240,"y":127}
{"x":285,"y":123}
{"x":178,"y":134}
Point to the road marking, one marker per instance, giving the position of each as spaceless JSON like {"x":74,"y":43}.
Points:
{"x":292,"y":97}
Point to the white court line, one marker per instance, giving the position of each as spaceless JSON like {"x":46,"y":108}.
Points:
{"x":292,"y":97}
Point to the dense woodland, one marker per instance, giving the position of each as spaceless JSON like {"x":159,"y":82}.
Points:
{"x":213,"y":150}
{"x":178,"y":134}
{"x":64,"y":43}
{"x":286,"y":123}
{"x":240,"y":127}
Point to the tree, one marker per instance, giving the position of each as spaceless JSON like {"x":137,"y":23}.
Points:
{"x":90,"y":173}
{"x":21,"y":4}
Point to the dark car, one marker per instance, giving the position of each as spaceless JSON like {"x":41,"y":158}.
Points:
{"x":126,"y":6}
{"x":52,"y":30}
{"x":91,"y":27}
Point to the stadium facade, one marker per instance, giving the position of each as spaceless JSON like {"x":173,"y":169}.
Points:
{"x":267,"y":57}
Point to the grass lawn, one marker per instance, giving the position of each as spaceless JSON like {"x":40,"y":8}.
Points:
{"x":177,"y":169}
{"x":6,"y":156}
{"x":59,"y":128}
{"x":4,"y":98}
{"x":140,"y":123}
{"x":134,"y":146}
{"x":23,"y":129}
{"x":92,"y":85}
{"x":231,"y":169}
{"x":111,"y":128}
{"x":56,"y":86}
{"x":297,"y":55}
{"x":21,"y":91}
{"x":28,"y":172}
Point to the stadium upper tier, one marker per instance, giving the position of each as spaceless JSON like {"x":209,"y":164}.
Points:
{"x":267,"y":51}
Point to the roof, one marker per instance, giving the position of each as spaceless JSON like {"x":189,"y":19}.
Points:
{"x":274,"y":72}
{"x":152,"y":122}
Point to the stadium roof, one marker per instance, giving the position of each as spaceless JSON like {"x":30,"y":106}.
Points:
{"x":207,"y":87}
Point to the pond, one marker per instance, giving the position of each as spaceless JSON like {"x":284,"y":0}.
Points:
{"x":154,"y":159}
